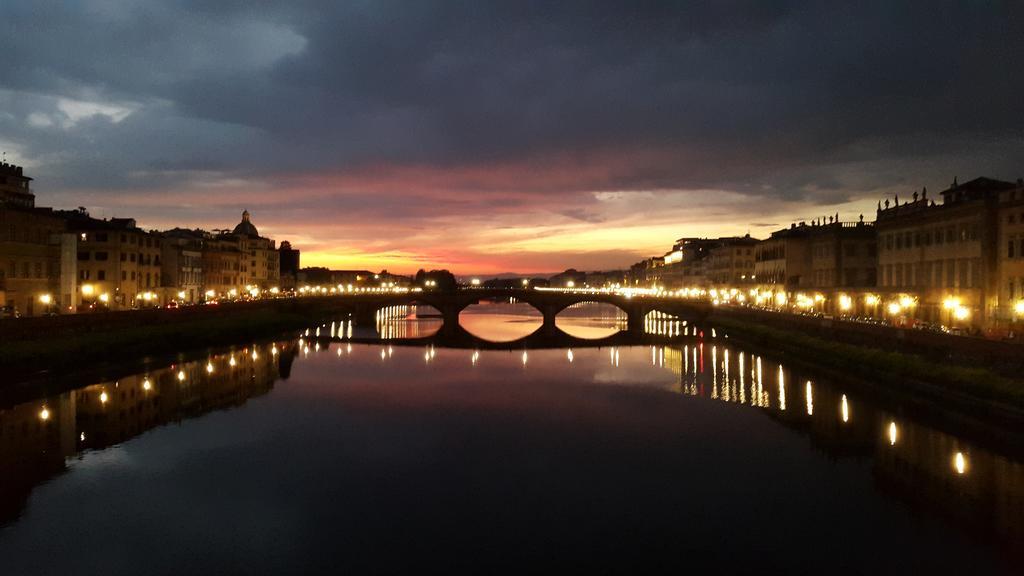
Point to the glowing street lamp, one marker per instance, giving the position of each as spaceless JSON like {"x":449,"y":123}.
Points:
{"x":1019,"y":307}
{"x":845,"y":303}
{"x":46,"y":299}
{"x":88,"y":289}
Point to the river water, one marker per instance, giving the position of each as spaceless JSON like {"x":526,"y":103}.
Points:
{"x":318,"y":453}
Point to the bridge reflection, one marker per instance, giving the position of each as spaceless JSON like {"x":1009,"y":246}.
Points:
{"x":659,"y":329}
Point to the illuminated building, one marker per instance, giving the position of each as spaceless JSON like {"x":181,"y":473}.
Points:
{"x":731,"y":261}
{"x":1010,"y":299}
{"x":945,"y":254}
{"x":782,"y":262}
{"x":37,"y":258}
{"x":118,"y":262}
{"x":260,"y":262}
{"x":182,"y":264}
{"x":843,"y":255}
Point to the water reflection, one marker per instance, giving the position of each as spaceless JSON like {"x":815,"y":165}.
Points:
{"x":957,"y":487}
{"x":395,"y":322}
{"x":503,"y":321}
{"x":591,"y":320}
{"x":36,"y":438}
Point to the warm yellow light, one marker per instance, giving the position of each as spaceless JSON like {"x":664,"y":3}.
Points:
{"x":907,"y":301}
{"x":525,"y":282}
{"x":845,"y":302}
{"x":475,"y":281}
{"x":45,"y":299}
{"x":871,"y":300}
{"x":104,"y":397}
{"x":894,"y":308}
{"x":275,"y":290}
{"x":181,"y":295}
{"x":181,"y":376}
{"x":209,"y":368}
{"x":961,"y":313}
{"x":1019,"y":307}
{"x":146,"y":385}
{"x":570,"y":284}
{"x":845,"y":409}
{"x":960,"y":463}
{"x":232,"y":292}
{"x":892,"y":433}
{"x":104,"y":297}
{"x":44,"y":414}
{"x":780,"y":299}
{"x":231,"y":362}
{"x":88,"y":289}
{"x":210,"y":293}
{"x":951,"y":303}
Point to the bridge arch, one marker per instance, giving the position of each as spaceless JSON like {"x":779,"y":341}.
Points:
{"x":501,"y":321}
{"x":592,"y":319}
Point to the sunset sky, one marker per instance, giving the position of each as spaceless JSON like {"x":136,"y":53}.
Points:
{"x":493,"y":137}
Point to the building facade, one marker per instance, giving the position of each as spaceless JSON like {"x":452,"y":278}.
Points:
{"x":944,"y":255}
{"x":782,"y":262}
{"x":730,"y":263}
{"x":1009,"y":310}
{"x":119,"y":264}
{"x":182,"y":264}
{"x":844,"y":255}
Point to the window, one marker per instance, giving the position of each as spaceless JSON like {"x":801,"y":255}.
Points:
{"x":101,"y":256}
{"x":1009,"y":248}
{"x":124,"y":257}
{"x":82,"y":256}
{"x":101,"y":237}
{"x":132,"y":257}
{"x":124,"y":275}
{"x":38,"y":269}
{"x":101,"y":275}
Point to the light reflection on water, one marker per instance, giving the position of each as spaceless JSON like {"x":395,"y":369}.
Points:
{"x":501,"y":321}
{"x":368,"y":402}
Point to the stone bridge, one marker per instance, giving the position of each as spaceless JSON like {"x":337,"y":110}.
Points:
{"x":364,"y":306}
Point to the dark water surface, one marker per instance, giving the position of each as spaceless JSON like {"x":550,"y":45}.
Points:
{"x":304,"y":456}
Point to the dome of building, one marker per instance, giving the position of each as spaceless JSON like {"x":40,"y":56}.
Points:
{"x":246,"y":227}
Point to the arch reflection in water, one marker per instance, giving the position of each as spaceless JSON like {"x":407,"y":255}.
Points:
{"x":591,"y":320}
{"x":662,"y":324}
{"x":405,"y":321}
{"x":932,"y":471}
{"x":503,"y":321}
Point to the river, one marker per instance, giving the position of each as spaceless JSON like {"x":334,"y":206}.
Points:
{"x":321,"y":452}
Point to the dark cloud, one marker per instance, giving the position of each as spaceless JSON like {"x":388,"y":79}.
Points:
{"x":822,"y":102}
